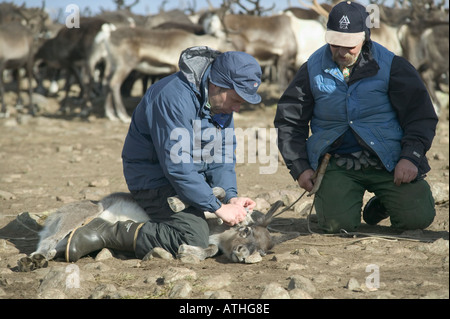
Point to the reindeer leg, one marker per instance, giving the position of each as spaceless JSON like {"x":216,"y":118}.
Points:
{"x":177,"y":205}
{"x":120,"y":74}
{"x":64,"y":108}
{"x":114,"y":108}
{"x":120,"y":107}
{"x":89,"y":85}
{"x":109,"y":107}
{"x":19,"y":103}
{"x":2,"y":94}
{"x":30,"y":263}
{"x":85,"y":84}
{"x":199,"y":252}
{"x":32,"y":108}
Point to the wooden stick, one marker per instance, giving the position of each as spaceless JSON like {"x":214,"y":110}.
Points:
{"x":319,"y":173}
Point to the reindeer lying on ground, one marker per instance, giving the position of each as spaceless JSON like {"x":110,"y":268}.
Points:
{"x":245,"y":242}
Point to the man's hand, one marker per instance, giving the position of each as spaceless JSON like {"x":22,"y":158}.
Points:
{"x":231,"y":214}
{"x":305,"y":180}
{"x":245,"y":202}
{"x":405,"y":172}
{"x":235,"y":211}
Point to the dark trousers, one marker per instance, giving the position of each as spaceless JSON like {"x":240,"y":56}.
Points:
{"x":165,"y":228}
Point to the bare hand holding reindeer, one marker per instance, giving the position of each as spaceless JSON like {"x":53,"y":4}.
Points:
{"x":236,"y":210}
{"x":245,"y":202}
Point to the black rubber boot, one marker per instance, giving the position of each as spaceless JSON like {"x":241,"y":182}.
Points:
{"x":374,"y":212}
{"x":99,"y":234}
{"x":61,"y":248}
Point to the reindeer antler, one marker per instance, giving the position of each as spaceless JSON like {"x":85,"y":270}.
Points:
{"x":258,"y":10}
{"x":315,"y":6}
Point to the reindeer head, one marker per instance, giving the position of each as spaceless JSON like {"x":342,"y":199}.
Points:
{"x":244,"y":241}
{"x":248,"y":241}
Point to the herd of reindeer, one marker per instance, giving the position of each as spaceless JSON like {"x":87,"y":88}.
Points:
{"x":108,"y":52}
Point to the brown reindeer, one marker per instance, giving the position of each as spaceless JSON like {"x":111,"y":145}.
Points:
{"x":426,"y":46}
{"x":270,"y":39}
{"x":16,"y":47}
{"x":20,"y":29}
{"x":71,"y":50}
{"x":152,"y":52}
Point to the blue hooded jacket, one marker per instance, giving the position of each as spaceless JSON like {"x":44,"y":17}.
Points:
{"x":173,"y":139}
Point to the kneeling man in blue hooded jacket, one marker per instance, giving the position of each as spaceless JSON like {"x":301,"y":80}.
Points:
{"x":181,"y":142}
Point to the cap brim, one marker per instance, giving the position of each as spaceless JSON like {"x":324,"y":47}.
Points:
{"x":249,"y":98}
{"x":344,"y":39}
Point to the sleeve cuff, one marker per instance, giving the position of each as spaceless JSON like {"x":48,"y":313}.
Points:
{"x":413,"y":154}
{"x":298,"y":167}
{"x":216,"y":205}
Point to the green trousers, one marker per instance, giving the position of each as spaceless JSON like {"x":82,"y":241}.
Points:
{"x":339,"y":200}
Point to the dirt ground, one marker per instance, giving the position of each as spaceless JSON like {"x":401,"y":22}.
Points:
{"x":50,"y":160}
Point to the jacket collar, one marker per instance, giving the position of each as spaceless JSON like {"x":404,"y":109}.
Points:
{"x":365,"y":66}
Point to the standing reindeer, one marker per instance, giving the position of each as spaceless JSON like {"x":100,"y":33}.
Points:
{"x":151,"y":52}
{"x":16,"y":42}
{"x":20,"y":32}
{"x":244,"y":242}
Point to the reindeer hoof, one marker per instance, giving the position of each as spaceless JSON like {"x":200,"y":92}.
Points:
{"x":185,"y":249}
{"x":39,"y":261}
{"x":26,"y":264}
{"x":212,"y":250}
{"x":85,"y":112}
{"x":201,"y":253}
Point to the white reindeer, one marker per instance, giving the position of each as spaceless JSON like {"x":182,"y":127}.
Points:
{"x":244,"y":242}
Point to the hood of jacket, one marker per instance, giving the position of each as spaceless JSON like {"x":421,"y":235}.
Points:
{"x":194,"y":62}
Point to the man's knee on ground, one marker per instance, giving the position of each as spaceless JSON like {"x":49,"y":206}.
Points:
{"x":333,"y":226}
{"x":415,"y":220}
